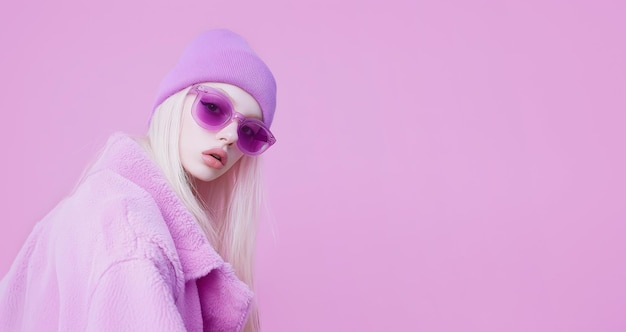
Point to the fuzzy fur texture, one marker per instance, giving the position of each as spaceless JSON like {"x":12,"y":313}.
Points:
{"x":122,"y":253}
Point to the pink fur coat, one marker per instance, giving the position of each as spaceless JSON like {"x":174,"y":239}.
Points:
{"x":121,"y":253}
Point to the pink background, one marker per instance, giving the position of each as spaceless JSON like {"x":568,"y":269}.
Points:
{"x":441,"y":165}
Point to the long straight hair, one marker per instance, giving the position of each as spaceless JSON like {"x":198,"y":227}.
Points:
{"x":228,"y":211}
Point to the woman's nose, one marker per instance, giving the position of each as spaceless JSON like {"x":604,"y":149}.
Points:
{"x":228,"y":134}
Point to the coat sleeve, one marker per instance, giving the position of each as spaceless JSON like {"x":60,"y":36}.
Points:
{"x":133,"y":296}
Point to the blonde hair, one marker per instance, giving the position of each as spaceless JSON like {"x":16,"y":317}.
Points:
{"x":228,"y":211}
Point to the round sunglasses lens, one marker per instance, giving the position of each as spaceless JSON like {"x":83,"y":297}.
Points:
{"x":212,"y":110}
{"x":253,"y":138}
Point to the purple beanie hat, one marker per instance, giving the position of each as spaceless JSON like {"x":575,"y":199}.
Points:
{"x":222,"y":56}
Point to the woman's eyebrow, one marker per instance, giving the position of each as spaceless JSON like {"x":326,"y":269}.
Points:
{"x":232,"y":101}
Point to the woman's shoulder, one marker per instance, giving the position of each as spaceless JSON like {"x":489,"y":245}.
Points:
{"x":116,"y":215}
{"x":110,"y":216}
{"x":122,"y":215}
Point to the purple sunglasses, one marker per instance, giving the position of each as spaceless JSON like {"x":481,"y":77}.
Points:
{"x":212,"y":110}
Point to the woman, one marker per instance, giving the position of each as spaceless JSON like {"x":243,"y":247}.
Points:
{"x":159,"y":234}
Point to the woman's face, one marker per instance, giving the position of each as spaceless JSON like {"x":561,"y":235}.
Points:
{"x":206,"y":154}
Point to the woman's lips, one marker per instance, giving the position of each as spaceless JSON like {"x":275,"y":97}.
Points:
{"x":216,"y":158}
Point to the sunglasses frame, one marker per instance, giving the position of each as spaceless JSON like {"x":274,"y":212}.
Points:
{"x":242,"y":120}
